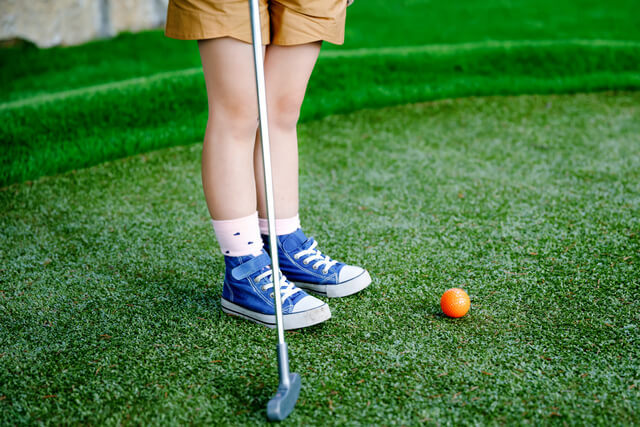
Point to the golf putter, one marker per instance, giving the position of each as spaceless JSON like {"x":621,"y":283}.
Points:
{"x":283,"y":402}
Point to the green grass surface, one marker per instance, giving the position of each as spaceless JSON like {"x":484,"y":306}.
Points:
{"x":111,"y":277}
{"x":73,"y":107}
{"x":371,"y":23}
{"x":53,"y":134}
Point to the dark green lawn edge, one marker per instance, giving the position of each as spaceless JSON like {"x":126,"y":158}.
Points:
{"x":87,"y":128}
{"x":26,"y":70}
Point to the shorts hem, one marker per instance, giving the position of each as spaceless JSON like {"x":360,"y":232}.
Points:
{"x":210,"y":35}
{"x":295,"y":42}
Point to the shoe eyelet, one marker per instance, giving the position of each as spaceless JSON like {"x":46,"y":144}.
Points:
{"x":315,"y":267}
{"x":305,"y":262}
{"x":325,"y":271}
{"x":263,"y":288}
{"x":271,"y":295}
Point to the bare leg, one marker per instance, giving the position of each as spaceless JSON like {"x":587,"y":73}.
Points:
{"x":227,"y":153}
{"x":287,"y":72}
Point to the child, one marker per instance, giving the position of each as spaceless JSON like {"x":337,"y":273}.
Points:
{"x":232,"y":175}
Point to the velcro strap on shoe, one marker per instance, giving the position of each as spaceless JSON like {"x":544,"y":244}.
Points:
{"x":246,"y":269}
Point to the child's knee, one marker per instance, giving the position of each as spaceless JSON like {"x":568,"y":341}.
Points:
{"x":284,"y":111}
{"x":240,"y":118}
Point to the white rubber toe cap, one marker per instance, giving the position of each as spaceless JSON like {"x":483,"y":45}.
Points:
{"x":350,"y":281}
{"x":349,"y":272}
{"x":307,"y":303}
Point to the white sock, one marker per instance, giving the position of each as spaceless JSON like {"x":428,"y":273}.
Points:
{"x":283,"y":226}
{"x":240,"y":236}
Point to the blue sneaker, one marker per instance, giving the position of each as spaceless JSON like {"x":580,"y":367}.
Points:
{"x":248,"y":293}
{"x":307,"y":268}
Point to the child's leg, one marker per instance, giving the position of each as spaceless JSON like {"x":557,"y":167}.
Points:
{"x":227,"y":154}
{"x":230,"y":191}
{"x":287,"y":72}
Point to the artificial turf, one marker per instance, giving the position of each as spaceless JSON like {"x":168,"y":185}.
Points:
{"x":111,"y":277}
{"x":62,"y":131}
{"x":26,"y":70}
{"x":73,"y":107}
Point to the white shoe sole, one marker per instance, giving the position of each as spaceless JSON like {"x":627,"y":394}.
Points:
{"x":343,"y":289}
{"x":298,"y":320}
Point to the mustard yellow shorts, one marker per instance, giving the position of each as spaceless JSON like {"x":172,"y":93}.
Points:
{"x":284,"y":22}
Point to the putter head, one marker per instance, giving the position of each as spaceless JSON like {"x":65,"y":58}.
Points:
{"x":283,"y":402}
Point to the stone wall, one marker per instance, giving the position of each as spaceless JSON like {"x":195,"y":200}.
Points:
{"x":67,"y":22}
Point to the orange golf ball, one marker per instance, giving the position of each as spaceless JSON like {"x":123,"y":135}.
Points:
{"x":455,"y":302}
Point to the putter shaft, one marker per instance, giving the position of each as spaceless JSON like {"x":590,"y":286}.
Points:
{"x":283,"y":363}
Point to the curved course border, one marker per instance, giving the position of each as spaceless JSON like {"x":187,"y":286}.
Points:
{"x":55,"y":132}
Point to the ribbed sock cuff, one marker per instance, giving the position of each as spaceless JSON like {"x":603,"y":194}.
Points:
{"x":283,"y":226}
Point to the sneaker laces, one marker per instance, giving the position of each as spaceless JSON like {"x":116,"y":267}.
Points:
{"x":286,"y":288}
{"x":316,"y":255}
